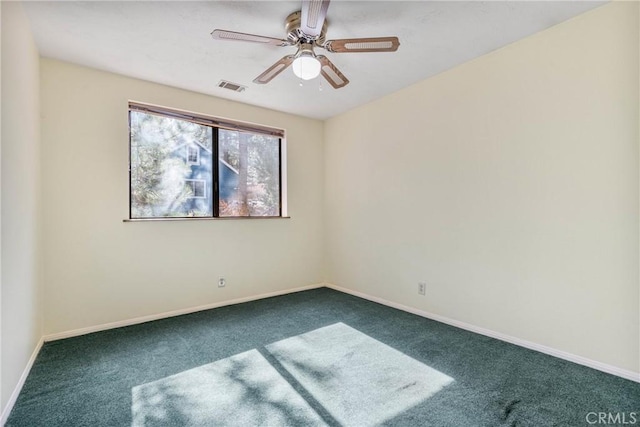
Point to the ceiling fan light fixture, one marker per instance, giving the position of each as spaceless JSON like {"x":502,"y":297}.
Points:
{"x":306,"y":67}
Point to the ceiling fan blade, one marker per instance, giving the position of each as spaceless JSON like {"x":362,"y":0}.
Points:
{"x":370,"y":44}
{"x":312,"y":16}
{"x":244,"y":37}
{"x":331,"y":73}
{"x":274,"y":70}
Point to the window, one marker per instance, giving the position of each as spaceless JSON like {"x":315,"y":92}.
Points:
{"x":197,"y":188}
{"x":185,"y":166}
{"x":193,"y":155}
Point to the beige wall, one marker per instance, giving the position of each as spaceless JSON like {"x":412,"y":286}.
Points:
{"x":509,"y":184}
{"x":20,"y":197}
{"x":2,"y":402}
{"x":99,"y":269}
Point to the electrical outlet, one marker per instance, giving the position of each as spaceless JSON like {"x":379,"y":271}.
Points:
{"x":422,"y":288}
{"x":222,"y":282}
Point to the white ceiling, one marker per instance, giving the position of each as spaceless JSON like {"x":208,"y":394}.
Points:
{"x":168,"y":42}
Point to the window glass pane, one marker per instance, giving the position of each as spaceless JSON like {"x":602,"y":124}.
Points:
{"x":249,"y":169}
{"x":170,"y":167}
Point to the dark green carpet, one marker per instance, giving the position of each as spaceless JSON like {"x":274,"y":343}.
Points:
{"x":96,"y":379}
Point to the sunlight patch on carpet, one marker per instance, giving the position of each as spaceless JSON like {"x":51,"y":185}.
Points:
{"x":242,"y":390}
{"x":357,"y":379}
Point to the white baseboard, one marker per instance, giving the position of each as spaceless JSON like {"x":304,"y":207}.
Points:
{"x":623,"y":373}
{"x":151,"y":317}
{"x":16,"y":391}
{"x":76,"y":332}
{"x":609,"y":369}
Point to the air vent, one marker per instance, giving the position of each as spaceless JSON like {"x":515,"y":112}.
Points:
{"x":231,"y":86}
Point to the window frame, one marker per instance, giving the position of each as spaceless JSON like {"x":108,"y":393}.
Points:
{"x":215,"y":123}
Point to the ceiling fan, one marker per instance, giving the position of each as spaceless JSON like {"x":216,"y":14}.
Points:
{"x":306,"y":29}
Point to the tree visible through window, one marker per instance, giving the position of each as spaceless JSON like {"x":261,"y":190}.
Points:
{"x":173,"y":173}
{"x":250,"y":174}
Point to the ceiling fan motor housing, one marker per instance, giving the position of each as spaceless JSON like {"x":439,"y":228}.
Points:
{"x":295,"y":34}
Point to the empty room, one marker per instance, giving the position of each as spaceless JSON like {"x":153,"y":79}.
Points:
{"x":320,"y":213}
